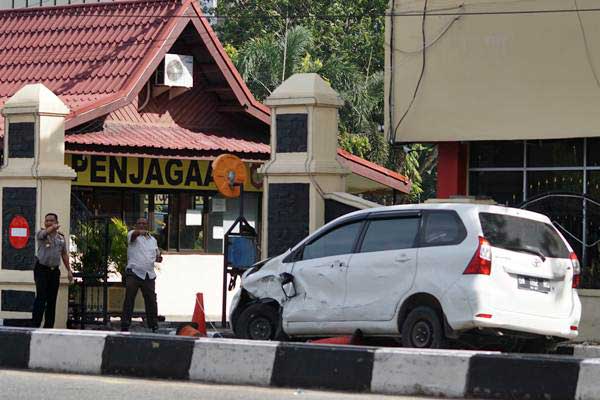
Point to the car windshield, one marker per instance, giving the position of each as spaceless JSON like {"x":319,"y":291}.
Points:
{"x":522,"y":234}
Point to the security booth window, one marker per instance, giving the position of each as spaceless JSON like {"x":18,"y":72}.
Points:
{"x":183,"y":221}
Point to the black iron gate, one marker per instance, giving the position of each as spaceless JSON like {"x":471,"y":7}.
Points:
{"x":88,"y":296}
{"x":577,"y":217}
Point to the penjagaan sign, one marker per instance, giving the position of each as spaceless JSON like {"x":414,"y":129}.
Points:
{"x":151,"y":173}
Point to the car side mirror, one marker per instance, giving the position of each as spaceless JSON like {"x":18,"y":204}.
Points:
{"x":287,"y":285}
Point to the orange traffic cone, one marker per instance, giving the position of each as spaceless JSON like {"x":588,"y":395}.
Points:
{"x":199,"y":316}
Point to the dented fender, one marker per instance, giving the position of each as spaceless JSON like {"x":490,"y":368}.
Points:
{"x":266,"y":282}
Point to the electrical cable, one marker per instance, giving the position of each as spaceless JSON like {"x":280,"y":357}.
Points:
{"x":324,"y":17}
{"x":504,"y":12}
{"x":586,"y":45}
{"x":418,"y":86}
{"x":391,"y":105}
{"x":434,"y":41}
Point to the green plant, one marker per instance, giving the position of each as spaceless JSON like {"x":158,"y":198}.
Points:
{"x":89,"y":240}
{"x":118,"y":245}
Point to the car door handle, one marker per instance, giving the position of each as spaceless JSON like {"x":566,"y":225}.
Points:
{"x":338,"y":263}
{"x":402,"y":259}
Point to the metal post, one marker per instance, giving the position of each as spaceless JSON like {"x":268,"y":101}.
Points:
{"x":105,"y":278}
{"x":240,"y":220}
{"x":82,"y":315}
{"x":241,"y":200}
{"x":224,"y":300}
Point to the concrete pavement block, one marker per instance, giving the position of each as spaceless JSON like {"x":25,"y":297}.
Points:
{"x":232,"y":361}
{"x":14,"y":347}
{"x":320,"y":366}
{"x":67,"y":351}
{"x":522,"y":376}
{"x":420,"y":372}
{"x":586,"y":351}
{"x":588,"y":385}
{"x":148,"y":356}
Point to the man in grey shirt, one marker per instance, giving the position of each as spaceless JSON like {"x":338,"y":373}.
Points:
{"x":52,"y":247}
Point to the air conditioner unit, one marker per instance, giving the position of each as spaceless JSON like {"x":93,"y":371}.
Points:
{"x":176,"y":71}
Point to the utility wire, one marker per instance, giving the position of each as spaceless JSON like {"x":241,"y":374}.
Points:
{"x":418,"y":86}
{"x":586,"y":45}
{"x":412,"y":13}
{"x":434,"y":41}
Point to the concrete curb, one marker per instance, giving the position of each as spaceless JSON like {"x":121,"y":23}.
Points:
{"x":441,"y":373}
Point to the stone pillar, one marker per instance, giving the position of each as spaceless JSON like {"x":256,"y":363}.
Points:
{"x":303,"y":165}
{"x":34,"y":180}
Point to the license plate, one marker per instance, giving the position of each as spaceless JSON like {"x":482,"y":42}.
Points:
{"x":535,"y":284}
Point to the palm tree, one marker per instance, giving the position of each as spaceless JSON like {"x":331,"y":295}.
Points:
{"x":267,"y":61}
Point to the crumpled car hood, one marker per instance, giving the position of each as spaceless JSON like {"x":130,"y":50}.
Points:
{"x":266,"y":283}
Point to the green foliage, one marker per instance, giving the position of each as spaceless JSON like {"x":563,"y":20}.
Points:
{"x":348,"y":30}
{"x":232,"y":52}
{"x":356,"y":144}
{"x":418,"y":163}
{"x":343,"y":41}
{"x":118,"y":245}
{"x":90,"y":241}
{"x":265,"y":62}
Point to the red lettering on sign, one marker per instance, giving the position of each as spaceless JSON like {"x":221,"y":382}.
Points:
{"x":18,"y":232}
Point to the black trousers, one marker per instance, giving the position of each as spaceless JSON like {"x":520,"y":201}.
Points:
{"x":132,"y":284}
{"x":47,"y":281}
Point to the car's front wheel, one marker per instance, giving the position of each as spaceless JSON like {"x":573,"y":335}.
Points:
{"x":258,"y":322}
{"x":423,"y":329}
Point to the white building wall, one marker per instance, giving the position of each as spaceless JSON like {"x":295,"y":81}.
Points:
{"x":181,"y":276}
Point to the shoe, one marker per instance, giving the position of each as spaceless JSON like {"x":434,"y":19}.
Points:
{"x":124,"y":329}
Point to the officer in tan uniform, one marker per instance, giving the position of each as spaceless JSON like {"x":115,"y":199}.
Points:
{"x":52,"y":247}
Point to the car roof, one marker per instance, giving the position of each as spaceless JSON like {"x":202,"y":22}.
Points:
{"x":461,"y":208}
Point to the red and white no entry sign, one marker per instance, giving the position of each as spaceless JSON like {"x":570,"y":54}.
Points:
{"x":18,"y":232}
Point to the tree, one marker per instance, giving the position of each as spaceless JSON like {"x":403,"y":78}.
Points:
{"x":351,"y":31}
{"x":341,"y":40}
{"x":265,"y":62}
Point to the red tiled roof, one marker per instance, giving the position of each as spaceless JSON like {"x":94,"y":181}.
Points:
{"x":164,"y":137}
{"x":83,"y":53}
{"x":96,"y":57}
{"x":374,"y":172}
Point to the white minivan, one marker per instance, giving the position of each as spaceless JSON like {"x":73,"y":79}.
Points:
{"x":425,"y":273}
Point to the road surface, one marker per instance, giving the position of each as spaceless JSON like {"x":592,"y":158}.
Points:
{"x":28,"y":385}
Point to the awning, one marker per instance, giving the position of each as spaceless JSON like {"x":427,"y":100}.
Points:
{"x":367,"y":176}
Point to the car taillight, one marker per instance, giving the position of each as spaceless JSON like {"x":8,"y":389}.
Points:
{"x":576,"y":270}
{"x":481,"y":263}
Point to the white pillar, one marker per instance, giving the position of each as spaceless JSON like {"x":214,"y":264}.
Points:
{"x":34,"y":181}
{"x":303,"y":165}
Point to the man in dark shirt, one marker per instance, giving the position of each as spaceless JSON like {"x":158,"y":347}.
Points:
{"x":52,"y":247}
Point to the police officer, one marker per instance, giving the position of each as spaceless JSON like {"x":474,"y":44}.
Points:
{"x":52,"y":246}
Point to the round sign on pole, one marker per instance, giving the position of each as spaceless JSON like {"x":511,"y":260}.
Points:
{"x":18,"y":232}
{"x":227,"y":172}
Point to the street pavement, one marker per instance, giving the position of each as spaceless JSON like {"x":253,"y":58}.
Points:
{"x":28,"y":385}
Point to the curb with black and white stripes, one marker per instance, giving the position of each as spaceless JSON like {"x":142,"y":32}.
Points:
{"x":442,"y":373}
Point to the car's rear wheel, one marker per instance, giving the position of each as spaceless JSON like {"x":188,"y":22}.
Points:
{"x":258,"y":322}
{"x":423,"y":329}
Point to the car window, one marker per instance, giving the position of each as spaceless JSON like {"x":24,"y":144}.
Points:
{"x":442,"y":228}
{"x":509,"y":232}
{"x":338,"y":241}
{"x":390,"y":234}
